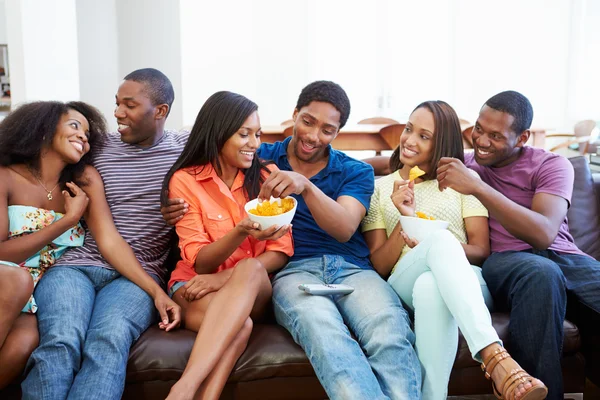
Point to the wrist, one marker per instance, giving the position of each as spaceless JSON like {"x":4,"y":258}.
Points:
{"x":407,"y":213}
{"x":70,"y":220}
{"x":479,"y":188}
{"x":240,"y":232}
{"x":307,"y":187}
{"x":155,"y":291}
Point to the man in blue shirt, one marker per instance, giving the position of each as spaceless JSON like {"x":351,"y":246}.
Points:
{"x":333,"y":193}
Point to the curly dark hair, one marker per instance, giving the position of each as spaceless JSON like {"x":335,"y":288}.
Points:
{"x":515,"y":104}
{"x":219,"y":119}
{"x":447,"y":137}
{"x":27,"y":130}
{"x":326,"y":92}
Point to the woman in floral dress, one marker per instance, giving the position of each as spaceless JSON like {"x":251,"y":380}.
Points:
{"x":44,"y":148}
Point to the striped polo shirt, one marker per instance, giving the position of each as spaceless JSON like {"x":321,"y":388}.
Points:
{"x":133,"y":179}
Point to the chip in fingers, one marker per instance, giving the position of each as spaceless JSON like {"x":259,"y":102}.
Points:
{"x":414,"y":173}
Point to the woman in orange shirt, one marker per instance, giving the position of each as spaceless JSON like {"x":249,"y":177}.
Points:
{"x":222,"y":281}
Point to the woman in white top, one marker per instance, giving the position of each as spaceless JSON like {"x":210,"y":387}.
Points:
{"x":439,"y":278}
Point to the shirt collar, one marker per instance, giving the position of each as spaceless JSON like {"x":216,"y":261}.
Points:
{"x":208,"y":172}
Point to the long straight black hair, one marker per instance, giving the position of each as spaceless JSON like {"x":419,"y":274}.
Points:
{"x":447,"y":137}
{"x":219,"y":118}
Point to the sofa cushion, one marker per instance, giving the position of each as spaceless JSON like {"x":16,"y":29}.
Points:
{"x":583,"y":214}
{"x":271,"y":353}
{"x":159,"y":355}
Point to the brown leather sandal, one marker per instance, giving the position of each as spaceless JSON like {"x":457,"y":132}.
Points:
{"x":514,"y":377}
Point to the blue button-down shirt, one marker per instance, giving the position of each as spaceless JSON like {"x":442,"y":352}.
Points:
{"x":343,"y":176}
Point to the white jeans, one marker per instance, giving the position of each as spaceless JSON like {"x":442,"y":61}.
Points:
{"x":436,"y":280}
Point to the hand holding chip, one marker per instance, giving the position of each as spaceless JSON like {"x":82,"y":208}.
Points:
{"x":403,"y":197}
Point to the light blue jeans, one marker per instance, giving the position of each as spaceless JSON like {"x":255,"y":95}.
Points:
{"x":379,"y":362}
{"x":436,"y":280}
{"x":88,"y":319}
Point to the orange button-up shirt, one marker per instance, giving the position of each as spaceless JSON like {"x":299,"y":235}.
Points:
{"x":214,"y":210}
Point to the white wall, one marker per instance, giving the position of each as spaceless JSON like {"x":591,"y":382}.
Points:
{"x":149,"y":36}
{"x":3,"y":32}
{"x":584,"y":62}
{"x":42,"y":41}
{"x":390,"y":55}
{"x":524,"y":47}
{"x":98,"y":46}
{"x":268,"y":50}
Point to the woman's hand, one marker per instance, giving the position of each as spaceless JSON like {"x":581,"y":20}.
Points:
{"x":201,"y":285}
{"x":75,"y":206}
{"x":403,"y":197}
{"x":249,"y":228}
{"x":410,"y":242}
{"x":170,"y":312}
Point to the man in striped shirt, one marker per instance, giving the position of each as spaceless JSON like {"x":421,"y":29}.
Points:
{"x":90,"y":312}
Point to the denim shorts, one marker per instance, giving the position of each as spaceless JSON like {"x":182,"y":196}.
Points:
{"x":176,"y":287}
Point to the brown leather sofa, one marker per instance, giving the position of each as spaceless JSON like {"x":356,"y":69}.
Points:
{"x":274,"y":367}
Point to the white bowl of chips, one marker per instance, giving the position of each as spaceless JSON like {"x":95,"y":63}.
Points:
{"x":420,"y":228}
{"x":273,"y":212}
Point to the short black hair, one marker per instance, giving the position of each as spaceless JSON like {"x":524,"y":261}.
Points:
{"x":159,"y":87}
{"x":327,"y":92}
{"x":515,"y":104}
{"x":32,"y":126}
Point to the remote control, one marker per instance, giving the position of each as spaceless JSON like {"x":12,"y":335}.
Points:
{"x":325,"y":289}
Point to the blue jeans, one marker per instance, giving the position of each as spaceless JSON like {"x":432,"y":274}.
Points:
{"x":533,"y":285}
{"x":381,"y":362}
{"x":88,"y":319}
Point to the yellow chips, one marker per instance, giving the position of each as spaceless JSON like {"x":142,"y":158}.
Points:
{"x":268,"y":209}
{"x":422,"y":215}
{"x":414,"y":173}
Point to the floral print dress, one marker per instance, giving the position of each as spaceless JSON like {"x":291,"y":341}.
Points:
{"x":24,"y":220}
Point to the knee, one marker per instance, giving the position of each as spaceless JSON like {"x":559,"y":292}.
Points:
{"x":544,"y":274}
{"x":17,"y":284}
{"x":249,"y":270}
{"x":118,"y":336}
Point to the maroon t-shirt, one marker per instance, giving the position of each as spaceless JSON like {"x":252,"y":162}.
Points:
{"x":535,"y":171}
